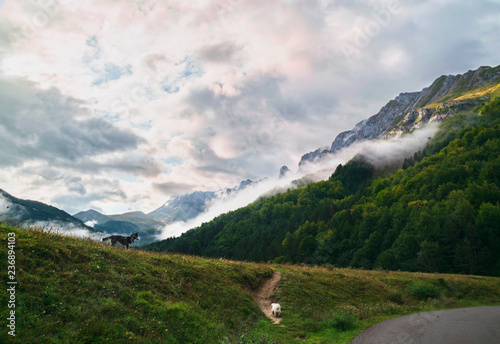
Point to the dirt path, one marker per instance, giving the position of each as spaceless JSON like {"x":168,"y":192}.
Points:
{"x":263,"y":296}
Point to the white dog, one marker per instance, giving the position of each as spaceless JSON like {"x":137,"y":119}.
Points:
{"x":276,"y":309}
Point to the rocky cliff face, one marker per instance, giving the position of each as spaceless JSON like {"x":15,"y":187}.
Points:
{"x":446,"y":96}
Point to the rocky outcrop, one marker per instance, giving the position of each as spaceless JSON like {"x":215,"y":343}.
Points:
{"x":284,"y":172}
{"x":185,"y":207}
{"x":412,"y":110}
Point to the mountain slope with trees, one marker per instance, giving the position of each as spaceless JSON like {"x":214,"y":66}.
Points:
{"x":439,"y":213}
{"x":24,"y":212}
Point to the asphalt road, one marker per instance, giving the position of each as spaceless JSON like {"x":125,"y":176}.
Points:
{"x":476,"y":325}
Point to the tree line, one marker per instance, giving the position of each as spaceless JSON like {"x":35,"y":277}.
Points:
{"x":439,"y":213}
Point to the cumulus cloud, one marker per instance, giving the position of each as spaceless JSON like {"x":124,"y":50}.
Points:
{"x":38,"y":124}
{"x":218,"y":53}
{"x":54,"y":146}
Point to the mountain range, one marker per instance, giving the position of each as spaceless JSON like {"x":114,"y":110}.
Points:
{"x":448,"y":95}
{"x":436,"y":212}
{"x":178,"y":208}
{"x":21,"y":212}
{"x":186,"y":207}
{"x":138,"y":218}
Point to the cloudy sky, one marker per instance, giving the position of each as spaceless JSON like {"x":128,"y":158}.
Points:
{"x":118,"y":105}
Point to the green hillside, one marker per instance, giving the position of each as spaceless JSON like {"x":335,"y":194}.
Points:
{"x":78,"y":291}
{"x":21,"y":212}
{"x":440,"y":213}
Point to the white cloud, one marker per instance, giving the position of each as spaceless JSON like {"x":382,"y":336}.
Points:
{"x":66,"y":229}
{"x":91,"y":223}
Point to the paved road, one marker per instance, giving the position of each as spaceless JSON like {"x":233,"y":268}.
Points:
{"x":477,"y":325}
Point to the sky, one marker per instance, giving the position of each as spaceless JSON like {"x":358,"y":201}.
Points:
{"x":118,"y":105}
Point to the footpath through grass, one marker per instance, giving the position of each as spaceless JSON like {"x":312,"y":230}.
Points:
{"x":79,"y":291}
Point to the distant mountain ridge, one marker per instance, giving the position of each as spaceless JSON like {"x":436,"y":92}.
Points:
{"x":448,"y":95}
{"x":92,"y":215}
{"x":124,"y":224}
{"x":138,"y":218}
{"x":118,"y":227}
{"x":186,"y":207}
{"x":179,"y":208}
{"x":23,"y":212}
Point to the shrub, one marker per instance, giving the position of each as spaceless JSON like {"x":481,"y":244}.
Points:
{"x":423,"y":291}
{"x":342,"y":321}
{"x":396,"y":296}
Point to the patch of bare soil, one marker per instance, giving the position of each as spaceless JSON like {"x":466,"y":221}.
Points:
{"x":263,"y":296}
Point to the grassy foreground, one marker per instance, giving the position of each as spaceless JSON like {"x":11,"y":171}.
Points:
{"x":78,"y":291}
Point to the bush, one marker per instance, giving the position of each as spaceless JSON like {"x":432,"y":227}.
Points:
{"x":342,"y":321}
{"x":396,"y":296}
{"x":424,"y":291}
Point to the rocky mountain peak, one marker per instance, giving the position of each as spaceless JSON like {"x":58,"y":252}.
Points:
{"x":411,"y":110}
{"x":284,"y":172}
{"x":188,"y":206}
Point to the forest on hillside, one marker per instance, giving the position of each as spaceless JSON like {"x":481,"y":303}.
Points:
{"x":439,"y":213}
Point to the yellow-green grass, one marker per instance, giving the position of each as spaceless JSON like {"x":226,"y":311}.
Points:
{"x":489,"y":90}
{"x":78,"y":291}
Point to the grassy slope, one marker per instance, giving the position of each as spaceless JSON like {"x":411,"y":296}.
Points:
{"x":78,"y":291}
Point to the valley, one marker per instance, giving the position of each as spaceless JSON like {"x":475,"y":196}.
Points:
{"x":438,"y":213}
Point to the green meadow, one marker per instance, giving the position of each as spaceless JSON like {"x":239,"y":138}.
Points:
{"x":74,"y":290}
